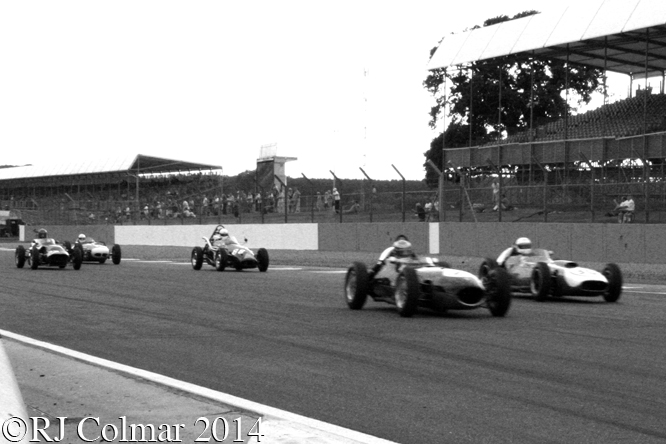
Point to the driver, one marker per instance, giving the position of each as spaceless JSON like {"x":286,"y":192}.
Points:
{"x":81,"y":239}
{"x":401,"y":249}
{"x":221,"y":237}
{"x":522,"y":247}
{"x":42,"y":238}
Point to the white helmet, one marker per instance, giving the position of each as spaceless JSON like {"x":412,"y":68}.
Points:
{"x":82,"y":237}
{"x":402,"y":248}
{"x":223,"y":232}
{"x":523,"y":245}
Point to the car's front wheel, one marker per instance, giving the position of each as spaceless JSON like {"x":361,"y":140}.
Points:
{"x":407,"y":292}
{"x":221,"y":258}
{"x":116,"y":254}
{"x":262,"y":259}
{"x":34,"y":258}
{"x":486,"y":267}
{"x":498,"y":290}
{"x":356,"y":286}
{"x":614,"y":277}
{"x":197,"y":258}
{"x":540,"y":283}
{"x":78,"y":258}
{"x":19,"y":256}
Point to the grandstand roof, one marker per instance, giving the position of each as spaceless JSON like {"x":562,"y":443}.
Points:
{"x":591,"y":31}
{"x":96,"y":165}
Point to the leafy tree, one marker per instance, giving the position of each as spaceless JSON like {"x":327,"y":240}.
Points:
{"x":550,"y":78}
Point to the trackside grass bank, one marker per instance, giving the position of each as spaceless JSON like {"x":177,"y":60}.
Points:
{"x":336,"y":259}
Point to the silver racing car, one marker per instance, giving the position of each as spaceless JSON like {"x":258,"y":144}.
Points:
{"x":409,"y":283}
{"x":542,"y":276}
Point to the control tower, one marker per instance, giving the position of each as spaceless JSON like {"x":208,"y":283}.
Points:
{"x":271,"y":168}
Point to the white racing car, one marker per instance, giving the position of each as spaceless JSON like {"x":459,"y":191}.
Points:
{"x":542,"y":276}
{"x":409,"y":283}
{"x":93,"y":251}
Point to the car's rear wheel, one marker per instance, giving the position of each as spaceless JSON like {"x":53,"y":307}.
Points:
{"x":78,"y":258}
{"x":68,"y":246}
{"x":34,"y":258}
{"x":19,"y":256}
{"x":540,"y":282}
{"x":486,"y":266}
{"x":262,"y":259}
{"x":498,"y":290}
{"x":116,"y":254}
{"x":356,"y":286}
{"x":614,"y":277}
{"x":221,"y":258}
{"x":407,"y":292}
{"x":197,"y":258}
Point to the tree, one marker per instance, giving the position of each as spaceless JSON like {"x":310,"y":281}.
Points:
{"x":550,"y":78}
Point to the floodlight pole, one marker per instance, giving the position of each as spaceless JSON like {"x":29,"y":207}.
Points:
{"x":372,"y":196}
{"x":585,"y":159}
{"x":403,"y":191}
{"x":440,"y":198}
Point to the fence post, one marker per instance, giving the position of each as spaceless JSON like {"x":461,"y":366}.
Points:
{"x":372,"y":186}
{"x":284,"y":198}
{"x":312,"y":199}
{"x":403,"y":191}
{"x":340,"y":200}
{"x":591,"y":183}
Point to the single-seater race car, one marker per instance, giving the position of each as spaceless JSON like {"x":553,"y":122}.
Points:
{"x":231,"y":254}
{"x":94,"y":251}
{"x":542,"y":276}
{"x":409,"y":283}
{"x":47,"y":252}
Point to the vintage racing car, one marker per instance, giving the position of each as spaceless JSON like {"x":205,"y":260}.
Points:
{"x":93,"y":251}
{"x":232,"y":254}
{"x":539,"y":274}
{"x":409,"y":283}
{"x":47,"y":252}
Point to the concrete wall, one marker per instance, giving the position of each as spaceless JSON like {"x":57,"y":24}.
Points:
{"x":101,"y":233}
{"x":277,"y":236}
{"x":373,"y":237}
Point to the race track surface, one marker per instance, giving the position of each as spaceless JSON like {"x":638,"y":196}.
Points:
{"x":563,"y":371}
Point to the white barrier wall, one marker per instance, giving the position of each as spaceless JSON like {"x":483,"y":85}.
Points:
{"x":277,"y":237}
{"x":11,"y":401}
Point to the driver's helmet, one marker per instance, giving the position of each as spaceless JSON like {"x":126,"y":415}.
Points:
{"x":82,"y":237}
{"x":42,"y":234}
{"x":402,"y":248}
{"x":523,"y":245}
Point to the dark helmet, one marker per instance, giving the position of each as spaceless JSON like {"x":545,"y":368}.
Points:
{"x":401,"y":236}
{"x":42,"y":234}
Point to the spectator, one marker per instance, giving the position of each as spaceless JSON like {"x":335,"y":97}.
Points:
{"x":320,"y":201}
{"x":204,"y":206}
{"x":624,"y":210}
{"x":257,"y":202}
{"x":354,"y":208}
{"x":296,"y":198}
{"x":327,"y":199}
{"x":496,"y":190}
{"x":420,"y":212}
{"x":336,"y":200}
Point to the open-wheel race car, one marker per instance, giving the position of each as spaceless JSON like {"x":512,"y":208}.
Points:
{"x":542,"y":276}
{"x":230,"y":254}
{"x":46,"y":252}
{"x":94,"y":251}
{"x":409,"y":283}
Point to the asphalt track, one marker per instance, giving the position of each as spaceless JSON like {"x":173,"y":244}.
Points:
{"x":562,"y":371}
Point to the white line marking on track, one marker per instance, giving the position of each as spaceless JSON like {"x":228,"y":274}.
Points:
{"x":329,"y":272}
{"x":262,"y":409}
{"x":645,"y":292}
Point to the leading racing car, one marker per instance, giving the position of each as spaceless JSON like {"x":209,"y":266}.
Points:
{"x":409,"y":283}
{"x":542,"y":276}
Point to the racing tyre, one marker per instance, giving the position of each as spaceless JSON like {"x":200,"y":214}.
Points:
{"x":221,"y":258}
{"x":499,"y":292}
{"x":407,"y":292}
{"x":540,"y":283}
{"x":19,"y":256}
{"x":197,"y":258}
{"x":262,"y":258}
{"x":614,"y":276}
{"x":486,"y":266}
{"x":77,"y":259}
{"x":356,"y":286}
{"x":34,"y":258}
{"x":116,"y":254}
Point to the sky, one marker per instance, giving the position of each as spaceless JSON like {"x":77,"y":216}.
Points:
{"x":335,"y":84}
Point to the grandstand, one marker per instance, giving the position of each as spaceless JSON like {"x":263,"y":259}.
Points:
{"x":582,"y":163}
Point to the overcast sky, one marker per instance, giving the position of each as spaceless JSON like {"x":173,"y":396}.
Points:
{"x":336,"y":84}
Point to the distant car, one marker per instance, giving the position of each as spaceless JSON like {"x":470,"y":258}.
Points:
{"x":47,"y":252}
{"x":542,"y":276}
{"x":409,"y":283}
{"x":93,"y":251}
{"x":232,"y":254}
